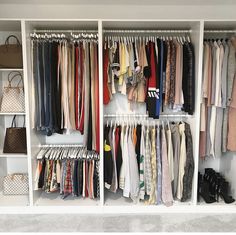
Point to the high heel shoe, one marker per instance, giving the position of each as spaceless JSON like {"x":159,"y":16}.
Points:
{"x":223,"y":193}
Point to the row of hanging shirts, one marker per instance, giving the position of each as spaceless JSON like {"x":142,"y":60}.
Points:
{"x":156,"y":71}
{"x":69,"y":171}
{"x":217,"y":132}
{"x":151,"y":161}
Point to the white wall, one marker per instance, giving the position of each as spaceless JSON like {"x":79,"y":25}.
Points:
{"x":108,"y":11}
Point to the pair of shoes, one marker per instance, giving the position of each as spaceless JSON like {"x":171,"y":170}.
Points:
{"x":213,"y":185}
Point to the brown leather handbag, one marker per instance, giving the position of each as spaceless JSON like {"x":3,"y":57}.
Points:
{"x":15,"y":139}
{"x":11,"y":54}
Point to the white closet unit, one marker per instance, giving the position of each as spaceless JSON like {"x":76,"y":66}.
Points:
{"x":40,"y":202}
{"x":120,"y":104}
{"x":39,"y":197}
{"x":226,"y":162}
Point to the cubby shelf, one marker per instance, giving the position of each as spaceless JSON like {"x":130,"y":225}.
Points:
{"x":14,"y":200}
{"x":9,"y":70}
{"x":12,"y":155}
{"x":9,"y":114}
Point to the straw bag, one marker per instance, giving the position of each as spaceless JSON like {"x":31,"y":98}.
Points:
{"x":11,"y":54}
{"x":13,"y":99}
{"x":15,"y":184}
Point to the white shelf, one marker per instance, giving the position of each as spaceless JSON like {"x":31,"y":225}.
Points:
{"x":54,"y":199}
{"x":12,"y":155}
{"x":6,"y":114}
{"x":9,"y":70}
{"x":14,"y":200}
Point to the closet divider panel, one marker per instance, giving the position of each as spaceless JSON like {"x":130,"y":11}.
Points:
{"x":119,"y":104}
{"x":67,"y":28}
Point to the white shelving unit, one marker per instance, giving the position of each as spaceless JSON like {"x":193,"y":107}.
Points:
{"x":41,"y":202}
{"x":11,"y":163}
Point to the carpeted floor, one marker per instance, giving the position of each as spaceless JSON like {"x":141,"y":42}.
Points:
{"x":116,"y":223}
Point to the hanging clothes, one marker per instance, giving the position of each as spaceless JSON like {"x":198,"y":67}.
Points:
{"x":158,"y":72}
{"x":69,"y":171}
{"x":66,"y":87}
{"x":165,"y":166}
{"x":219,"y":68}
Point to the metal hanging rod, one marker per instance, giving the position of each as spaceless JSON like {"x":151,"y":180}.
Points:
{"x":144,"y":115}
{"x":146,"y":31}
{"x":125,"y":115}
{"x":60,"y":145}
{"x":175,"y":115}
{"x":65,"y":31}
{"x":219,"y":31}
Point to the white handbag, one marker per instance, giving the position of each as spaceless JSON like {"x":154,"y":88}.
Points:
{"x":15,"y":184}
{"x":13,"y":99}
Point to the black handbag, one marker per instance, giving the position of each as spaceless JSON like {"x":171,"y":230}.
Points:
{"x":15,"y":139}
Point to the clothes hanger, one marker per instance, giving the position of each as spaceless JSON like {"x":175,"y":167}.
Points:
{"x":111,"y":123}
{"x":48,"y":153}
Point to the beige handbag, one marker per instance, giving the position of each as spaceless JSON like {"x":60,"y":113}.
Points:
{"x":11,"y":54}
{"x":15,"y":184}
{"x":13,"y":100}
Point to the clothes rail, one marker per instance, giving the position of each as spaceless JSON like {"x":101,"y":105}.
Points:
{"x":145,"y":115}
{"x":60,"y":145}
{"x":126,"y":115}
{"x":147,"y":31}
{"x":65,"y":31}
{"x":219,"y":31}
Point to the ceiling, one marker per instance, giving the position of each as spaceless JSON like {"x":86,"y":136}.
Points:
{"x":123,"y":2}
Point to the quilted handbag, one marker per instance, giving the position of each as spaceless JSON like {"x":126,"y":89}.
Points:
{"x":13,"y":100}
{"x":11,"y":54}
{"x":15,"y":139}
{"x":15,"y":184}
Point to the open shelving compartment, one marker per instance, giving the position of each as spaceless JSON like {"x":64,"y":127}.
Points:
{"x":119,"y":103}
{"x":37,"y":139}
{"x":10,"y":163}
{"x":225,"y":163}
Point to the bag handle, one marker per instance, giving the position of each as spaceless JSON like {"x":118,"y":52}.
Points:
{"x":12,"y":36}
{"x":23,"y":176}
{"x":16,"y":75}
{"x":14,"y":122}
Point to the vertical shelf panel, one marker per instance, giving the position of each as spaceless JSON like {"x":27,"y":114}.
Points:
{"x":100,"y":60}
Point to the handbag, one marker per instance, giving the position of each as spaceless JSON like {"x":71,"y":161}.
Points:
{"x":15,"y":184}
{"x":15,"y":139}
{"x":13,"y":99}
{"x":11,"y":54}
